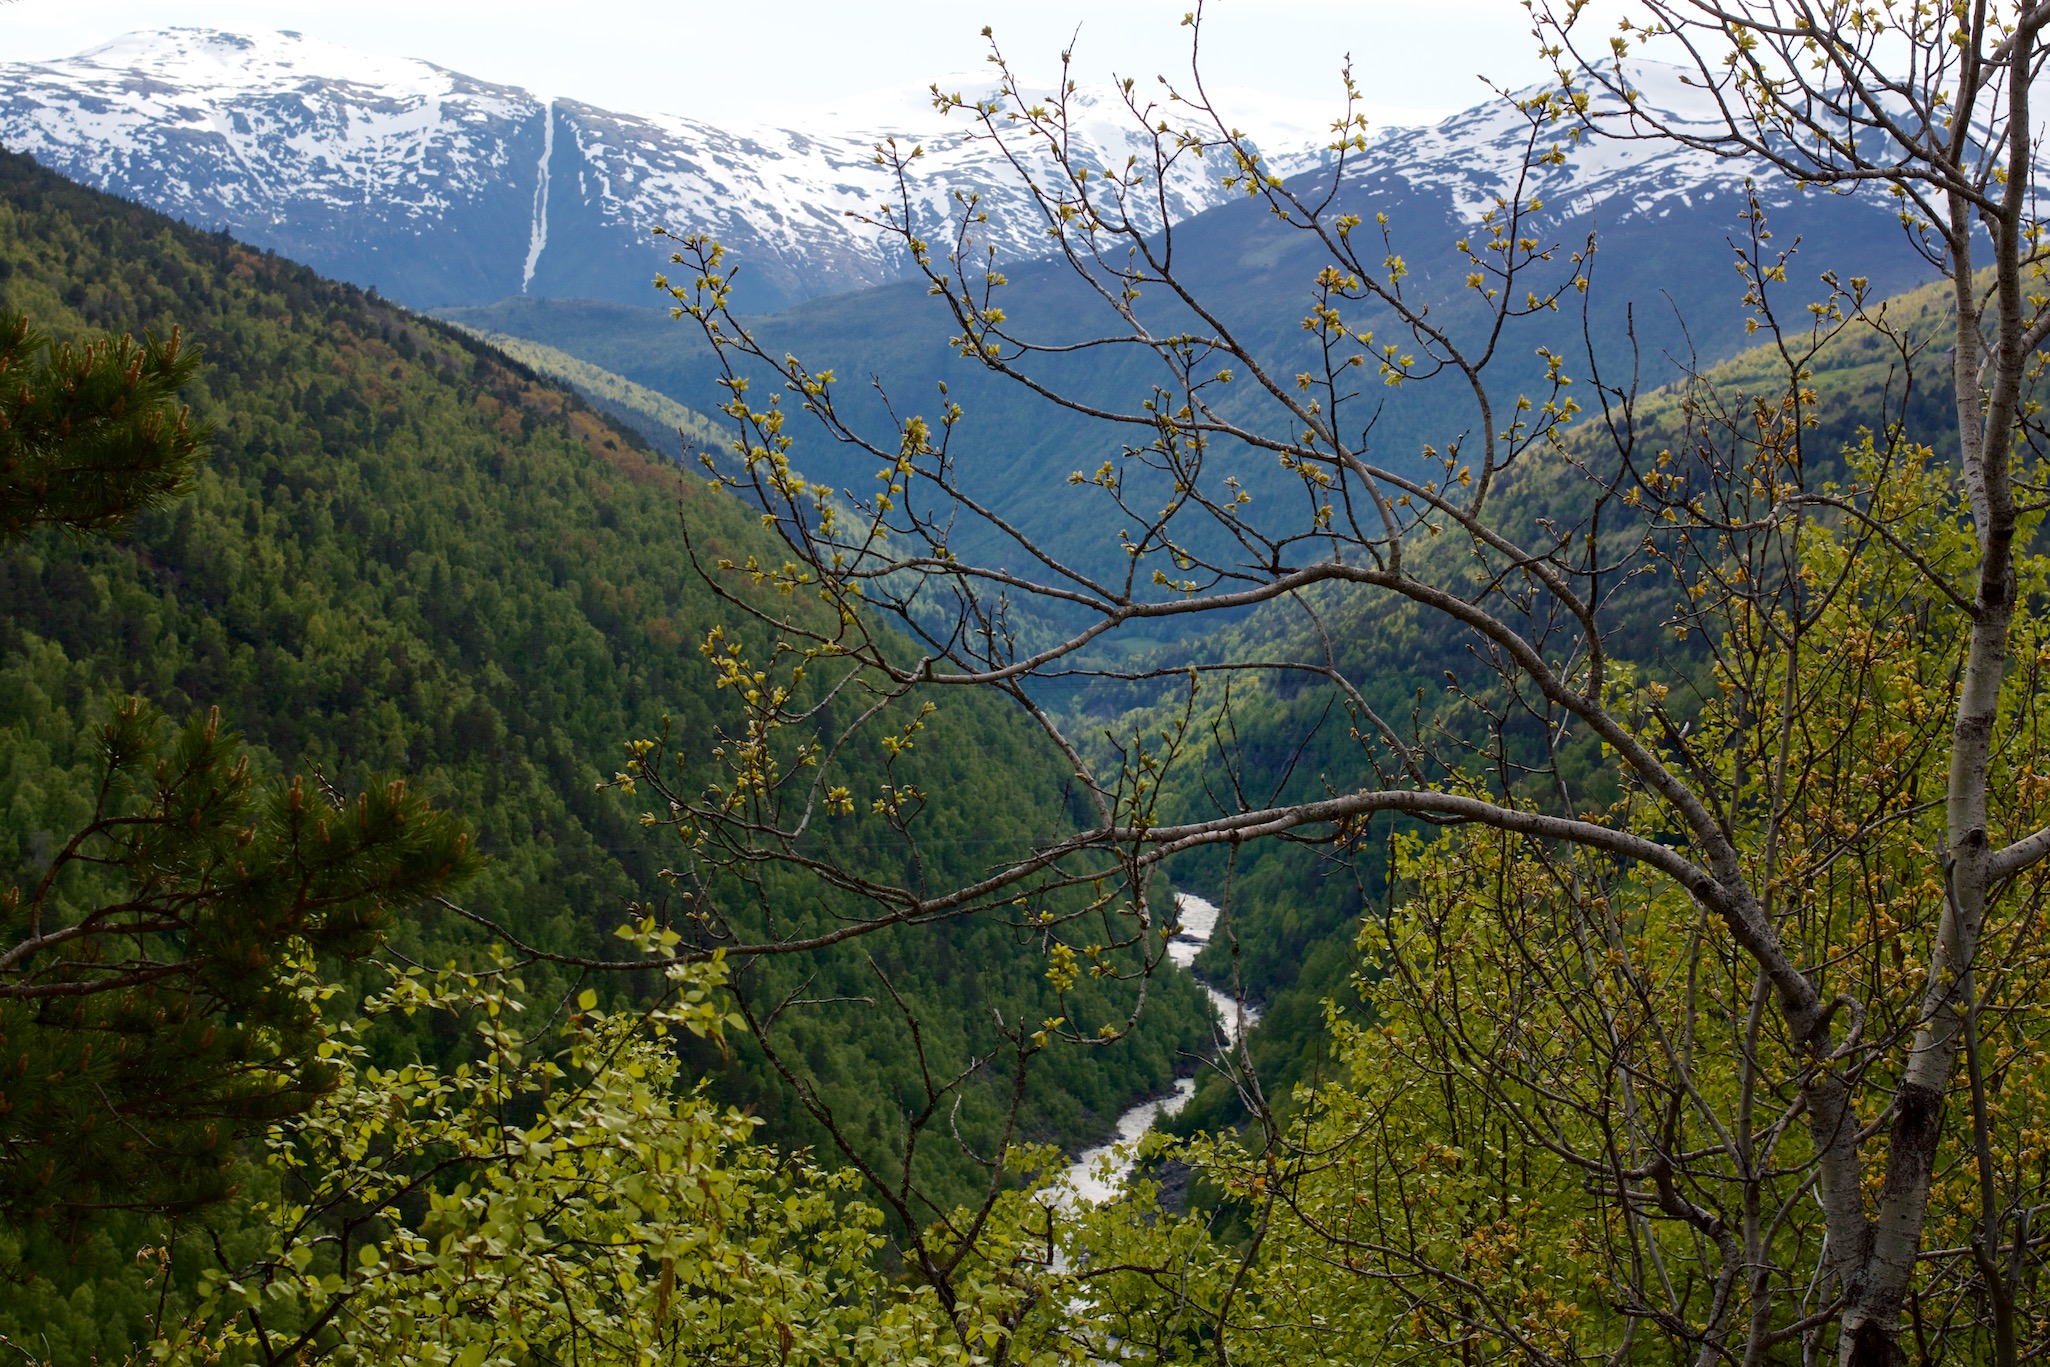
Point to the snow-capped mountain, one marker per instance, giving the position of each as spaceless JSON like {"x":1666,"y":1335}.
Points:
{"x":1612,"y":173}
{"x":1483,"y":153}
{"x":383,"y":172}
{"x":443,"y":189}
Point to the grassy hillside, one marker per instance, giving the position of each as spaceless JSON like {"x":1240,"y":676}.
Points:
{"x":410,"y":555}
{"x":660,"y":420}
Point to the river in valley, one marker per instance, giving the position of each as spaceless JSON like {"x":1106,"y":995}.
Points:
{"x":1198,"y":923}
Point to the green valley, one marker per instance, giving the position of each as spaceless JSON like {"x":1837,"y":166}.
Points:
{"x":409,"y":556}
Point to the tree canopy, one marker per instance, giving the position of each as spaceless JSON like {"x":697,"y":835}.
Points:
{"x":1684,"y":750}
{"x":1674,"y":624}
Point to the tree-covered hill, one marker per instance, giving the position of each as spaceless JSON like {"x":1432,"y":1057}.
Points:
{"x":665,"y":423}
{"x":1662,"y":298}
{"x":1297,"y":909}
{"x":410,"y":556}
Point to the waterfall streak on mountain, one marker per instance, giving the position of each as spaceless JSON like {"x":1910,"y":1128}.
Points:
{"x":537,"y":241}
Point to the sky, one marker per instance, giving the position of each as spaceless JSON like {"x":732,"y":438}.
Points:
{"x":1416,"y":60}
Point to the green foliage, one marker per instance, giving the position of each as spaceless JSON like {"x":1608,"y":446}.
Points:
{"x":562,"y":1199}
{"x":408,"y":556}
{"x":153,"y":997}
{"x":92,"y":434}
{"x":1557,"y":1097}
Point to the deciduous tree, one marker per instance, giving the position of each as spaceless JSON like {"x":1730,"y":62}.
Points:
{"x":1764,"y":825}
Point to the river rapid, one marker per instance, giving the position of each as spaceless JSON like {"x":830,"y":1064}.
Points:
{"x":1089,"y":1175}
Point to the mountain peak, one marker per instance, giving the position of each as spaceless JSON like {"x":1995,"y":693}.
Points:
{"x":443,"y":189}
{"x":215,"y":61}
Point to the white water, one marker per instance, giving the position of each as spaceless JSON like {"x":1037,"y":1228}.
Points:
{"x":1097,"y":1173}
{"x":537,"y":239}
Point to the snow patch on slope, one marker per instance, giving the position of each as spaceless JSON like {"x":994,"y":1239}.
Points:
{"x":226,"y":126}
{"x":1483,"y":155}
{"x":248,"y":129}
{"x":268,"y":134}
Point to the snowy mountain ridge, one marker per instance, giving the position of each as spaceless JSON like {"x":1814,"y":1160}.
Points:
{"x":357,"y":162}
{"x":443,"y":189}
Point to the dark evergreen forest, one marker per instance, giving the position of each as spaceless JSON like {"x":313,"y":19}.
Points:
{"x":407,"y":556}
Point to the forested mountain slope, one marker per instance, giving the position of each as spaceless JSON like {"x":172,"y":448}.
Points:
{"x":1298,"y":909}
{"x":1663,"y":299}
{"x":410,"y":557}
{"x":666,"y":425}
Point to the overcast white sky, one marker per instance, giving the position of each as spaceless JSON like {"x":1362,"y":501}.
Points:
{"x":1416,"y":59}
